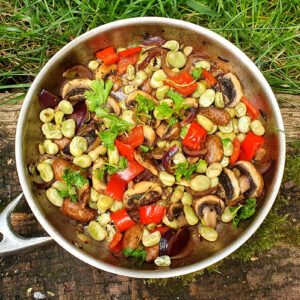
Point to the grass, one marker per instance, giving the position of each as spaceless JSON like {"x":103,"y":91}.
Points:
{"x":33,"y":30}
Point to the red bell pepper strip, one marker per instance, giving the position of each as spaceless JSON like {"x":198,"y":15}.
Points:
{"x":211,"y":80}
{"x":250,"y":145}
{"x":123,"y":63}
{"x":152,"y":213}
{"x":116,"y":244}
{"x":125,"y":150}
{"x":118,"y":181}
{"x":195,"y":137}
{"x":105,"y":53}
{"x":251,"y":109}
{"x":121,"y":219}
{"x":129,"y":51}
{"x":135,"y":138}
{"x":111,"y":59}
{"x":183,"y":83}
{"x":236,"y":151}
{"x":161,"y":229}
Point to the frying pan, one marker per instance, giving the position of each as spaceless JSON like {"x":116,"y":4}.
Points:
{"x":82,"y":50}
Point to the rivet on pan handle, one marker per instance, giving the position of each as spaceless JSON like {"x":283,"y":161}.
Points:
{"x":12,"y":242}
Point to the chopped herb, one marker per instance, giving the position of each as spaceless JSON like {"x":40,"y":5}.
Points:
{"x":98,"y":94}
{"x":243,"y":211}
{"x":172,"y":121}
{"x":185,"y":170}
{"x":163,"y":111}
{"x":197,"y":73}
{"x":144,"y":148}
{"x":73,"y":178}
{"x":183,"y":132}
{"x":117,"y":125}
{"x":64,"y":194}
{"x":144,"y":105}
{"x":111,"y":168}
{"x":139,"y":254}
{"x":178,"y":100}
{"x":225,"y":142}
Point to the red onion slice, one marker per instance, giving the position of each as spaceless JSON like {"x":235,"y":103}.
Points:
{"x":190,"y":117}
{"x":44,"y":185}
{"x":193,"y":153}
{"x":155,"y":40}
{"x":47,"y":99}
{"x":166,"y":162}
{"x":178,"y":242}
{"x":263,"y":168}
{"x":164,"y":242}
{"x":146,"y":61}
{"x":79,"y":115}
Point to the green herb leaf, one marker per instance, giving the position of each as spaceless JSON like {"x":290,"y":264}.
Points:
{"x":117,"y":125}
{"x":64,"y":194}
{"x":164,"y":111}
{"x":98,"y":94}
{"x":176,"y":97}
{"x":197,"y":73}
{"x":111,"y":168}
{"x":185,"y":170}
{"x":243,"y":211}
{"x":225,"y":142}
{"x":144,"y":148}
{"x":145,"y":105}
{"x":172,"y":121}
{"x":71,"y":179}
{"x":139,"y":254}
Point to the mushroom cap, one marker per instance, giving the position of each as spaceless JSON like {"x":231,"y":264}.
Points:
{"x":142,"y":193}
{"x":131,"y":99}
{"x":174,"y":210}
{"x":231,"y":89}
{"x":217,"y":115}
{"x":79,"y":70}
{"x":145,"y":162}
{"x":209,"y":208}
{"x":98,"y":185}
{"x":114,"y":105}
{"x":104,"y":71}
{"x":230,"y":185}
{"x":149,"y":136}
{"x":170,"y":133}
{"x":74,"y":90}
{"x":254,"y":176}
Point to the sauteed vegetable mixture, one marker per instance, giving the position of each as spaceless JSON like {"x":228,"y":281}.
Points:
{"x":152,"y":147}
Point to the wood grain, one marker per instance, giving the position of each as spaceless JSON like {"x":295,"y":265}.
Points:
{"x":56,"y":274}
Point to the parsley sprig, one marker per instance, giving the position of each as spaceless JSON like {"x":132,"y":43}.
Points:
{"x":243,"y":211}
{"x":117,"y":125}
{"x":197,"y":73}
{"x":111,"y":168}
{"x":73,"y":179}
{"x":139,"y":254}
{"x":145,"y":106}
{"x":185,"y":170}
{"x":98,"y":94}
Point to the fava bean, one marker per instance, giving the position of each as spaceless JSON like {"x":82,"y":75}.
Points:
{"x":104,"y":202}
{"x":206,"y":123}
{"x":51,"y":131}
{"x":187,"y":50}
{"x":47,"y":115}
{"x":163,"y":261}
{"x":68,"y":128}
{"x":66,"y":107}
{"x":60,"y":185}
{"x":155,"y":64}
{"x":117,"y":205}
{"x":110,"y":232}
{"x":113,"y":155}
{"x":231,"y":111}
{"x":96,"y":231}
{"x":174,"y":224}
{"x":202,"y":166}
{"x":240,"y":109}
{"x":214,"y":182}
{"x":130,"y":72}
{"x":203,"y":64}
{"x":46,"y":172}
{"x":228,"y":148}
{"x":208,"y":233}
{"x":161,"y":92}
{"x":219,"y":102}
{"x":166,"y":178}
{"x":99,"y":151}
{"x":176,"y":59}
{"x":127,"y":89}
{"x":58,"y":117}
{"x":244,"y":124}
{"x":78,"y":145}
{"x":104,"y":219}
{"x":224,"y":161}
{"x":227,"y":216}
{"x":140,"y":77}
{"x":54,"y":197}
{"x":171,"y":45}
{"x":190,"y":215}
{"x":226,"y":129}
{"x":257,"y":127}
{"x":207,"y":98}
{"x":200,"y":183}
{"x":83,"y":160}
{"x":50,"y":147}
{"x":42,"y":150}
{"x":187,"y":199}
{"x":152,"y":239}
{"x":200,"y":90}
{"x":179,"y":158}
{"x":127,"y":115}
{"x":157,"y":79}
{"x":176,"y":196}
{"x":93,"y":65}
{"x":241,"y":137}
{"x":214,"y":170}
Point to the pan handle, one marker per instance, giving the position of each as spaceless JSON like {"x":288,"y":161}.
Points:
{"x":13,"y":242}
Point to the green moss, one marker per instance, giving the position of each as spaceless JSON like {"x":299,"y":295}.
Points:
{"x":292,"y":167}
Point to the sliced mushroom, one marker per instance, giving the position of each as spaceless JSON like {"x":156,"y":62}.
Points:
{"x":244,"y":183}
{"x":215,"y":151}
{"x":174,"y":210}
{"x":149,"y":136}
{"x":62,"y":143}
{"x":83,"y":194}
{"x":191,"y":102}
{"x":145,"y":162}
{"x":74,"y":90}
{"x":254,"y":176}
{"x":91,"y":136}
{"x":98,"y":185}
{"x":230,"y":185}
{"x":217,"y":115}
{"x":133,"y":236}
{"x":231,"y":89}
{"x":76,"y":212}
{"x":117,"y":82}
{"x":104,"y":71}
{"x":80,"y":71}
{"x":142,"y":193}
{"x":158,"y":153}
{"x":131,"y":99}
{"x":209,"y":208}
{"x":170,"y":133}
{"x":114,"y":105}
{"x":152,"y":252}
{"x":211,"y":190}
{"x":146,"y":87}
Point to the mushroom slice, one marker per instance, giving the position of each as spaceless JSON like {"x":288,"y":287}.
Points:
{"x":174,"y":210}
{"x":254,"y":176}
{"x":231,"y":89}
{"x":131,"y":99}
{"x":91,"y":136}
{"x":62,"y":143}
{"x":80,"y":71}
{"x":74,"y":90}
{"x":98,"y":185}
{"x":149,"y":136}
{"x":215,"y":151}
{"x":229,"y":184}
{"x":209,"y":208}
{"x":145,"y":162}
{"x":217,"y":115}
{"x":83,"y":194}
{"x":191,"y":102}
{"x":166,"y":133}
{"x":244,"y":183}
{"x":104,"y":71}
{"x":142,"y":193}
{"x":114,"y":105}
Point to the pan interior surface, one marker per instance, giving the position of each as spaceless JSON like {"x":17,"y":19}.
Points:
{"x":121,"y":34}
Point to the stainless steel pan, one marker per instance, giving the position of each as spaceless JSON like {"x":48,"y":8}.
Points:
{"x":119,"y":34}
